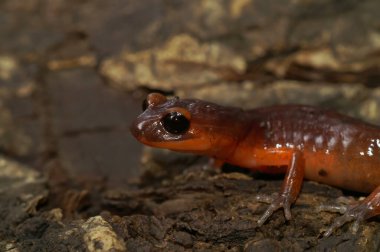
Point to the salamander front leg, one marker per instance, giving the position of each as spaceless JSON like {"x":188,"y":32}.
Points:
{"x":289,"y":191}
{"x":366,"y":209}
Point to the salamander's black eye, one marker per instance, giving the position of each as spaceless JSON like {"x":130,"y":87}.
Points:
{"x":145,"y":105}
{"x":175,"y":123}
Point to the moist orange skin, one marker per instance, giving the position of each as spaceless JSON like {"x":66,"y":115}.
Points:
{"x":326,"y":147}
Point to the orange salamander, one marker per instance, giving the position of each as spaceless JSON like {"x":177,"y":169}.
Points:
{"x":312,"y":143}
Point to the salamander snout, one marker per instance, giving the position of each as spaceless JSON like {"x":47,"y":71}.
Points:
{"x":136,"y":129}
{"x":144,"y":123}
{"x":147,"y":128}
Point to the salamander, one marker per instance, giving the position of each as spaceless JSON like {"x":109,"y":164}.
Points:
{"x":303,"y":142}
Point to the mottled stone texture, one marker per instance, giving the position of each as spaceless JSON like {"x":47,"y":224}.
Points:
{"x":72,"y":77}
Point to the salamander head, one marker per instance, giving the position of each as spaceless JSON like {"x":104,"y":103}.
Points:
{"x":186,"y":125}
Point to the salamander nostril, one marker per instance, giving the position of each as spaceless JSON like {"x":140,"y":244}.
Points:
{"x":175,"y":123}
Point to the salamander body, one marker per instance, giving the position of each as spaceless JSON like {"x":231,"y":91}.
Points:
{"x":300,"y":141}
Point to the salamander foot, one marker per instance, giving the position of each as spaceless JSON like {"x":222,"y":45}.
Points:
{"x":356,"y":214}
{"x":276,"y":202}
{"x":367,"y":208}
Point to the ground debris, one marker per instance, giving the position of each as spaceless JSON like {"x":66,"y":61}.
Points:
{"x":215,"y":209}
